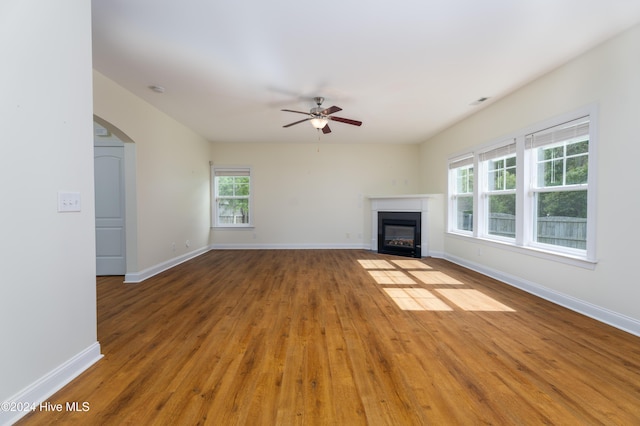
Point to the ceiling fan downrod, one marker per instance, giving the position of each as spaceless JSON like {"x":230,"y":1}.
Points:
{"x":316,"y":111}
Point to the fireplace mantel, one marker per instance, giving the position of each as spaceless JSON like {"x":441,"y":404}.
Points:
{"x":402,"y":203}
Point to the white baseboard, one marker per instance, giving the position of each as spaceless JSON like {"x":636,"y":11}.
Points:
{"x":436,"y":254}
{"x":614,"y":319}
{"x":312,"y":246}
{"x":52,"y":382}
{"x":138,"y":277}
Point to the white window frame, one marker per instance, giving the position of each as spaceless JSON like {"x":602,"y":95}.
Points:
{"x":230,"y":171}
{"x":525,"y":195}
{"x":455,"y":164}
{"x":502,"y":151}
{"x":589,"y":252}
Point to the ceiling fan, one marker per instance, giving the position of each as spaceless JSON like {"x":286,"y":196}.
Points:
{"x":320,"y":117}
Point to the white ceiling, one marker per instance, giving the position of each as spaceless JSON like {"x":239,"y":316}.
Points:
{"x":406,"y":68}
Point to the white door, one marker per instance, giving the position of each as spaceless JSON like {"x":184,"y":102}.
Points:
{"x":109,"y":193}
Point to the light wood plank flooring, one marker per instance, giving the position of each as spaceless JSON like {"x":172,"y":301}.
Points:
{"x":292,"y":337}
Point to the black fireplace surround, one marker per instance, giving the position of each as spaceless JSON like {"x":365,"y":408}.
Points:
{"x":400,"y":233}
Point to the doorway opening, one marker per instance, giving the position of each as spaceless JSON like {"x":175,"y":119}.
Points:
{"x":114,"y":173}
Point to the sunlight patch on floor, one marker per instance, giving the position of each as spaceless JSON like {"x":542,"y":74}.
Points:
{"x":473,"y":300}
{"x":375,"y":264}
{"x":434,"y":277}
{"x":416,"y":299}
{"x":391,"y":277}
{"x":403,"y":272}
{"x":411,"y":264}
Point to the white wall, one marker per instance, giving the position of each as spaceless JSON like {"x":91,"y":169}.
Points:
{"x":610,"y":77}
{"x":48,"y":300}
{"x":312,"y":194}
{"x":172,"y":178}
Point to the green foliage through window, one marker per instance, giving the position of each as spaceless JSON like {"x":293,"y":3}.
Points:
{"x":566,"y":164}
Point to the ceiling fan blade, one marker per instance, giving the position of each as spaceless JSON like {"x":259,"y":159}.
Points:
{"x":297,"y":122}
{"x":326,"y":129}
{"x":331,"y":110}
{"x":290,"y":110}
{"x":346,"y":120}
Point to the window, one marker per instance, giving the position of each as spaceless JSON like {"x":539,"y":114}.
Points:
{"x":461,"y":178}
{"x":499,"y":196}
{"x":560,"y":184}
{"x":232,"y":197}
{"x":534,"y":190}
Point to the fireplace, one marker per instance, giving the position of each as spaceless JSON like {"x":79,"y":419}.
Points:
{"x":399,"y":233}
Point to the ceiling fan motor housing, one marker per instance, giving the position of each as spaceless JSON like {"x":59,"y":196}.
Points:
{"x":316,"y":111}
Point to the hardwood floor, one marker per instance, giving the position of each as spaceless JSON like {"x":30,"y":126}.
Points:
{"x":312,"y":337}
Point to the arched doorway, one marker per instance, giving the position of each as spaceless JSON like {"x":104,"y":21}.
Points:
{"x":114,"y":173}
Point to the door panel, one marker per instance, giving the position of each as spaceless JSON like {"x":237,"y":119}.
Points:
{"x":110,"y":220}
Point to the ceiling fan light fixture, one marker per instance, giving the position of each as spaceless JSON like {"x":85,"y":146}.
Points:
{"x":319,"y":122}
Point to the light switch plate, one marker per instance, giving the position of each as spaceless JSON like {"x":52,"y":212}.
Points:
{"x":69,"y":201}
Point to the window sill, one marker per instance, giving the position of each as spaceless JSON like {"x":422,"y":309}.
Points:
{"x":233,"y":227}
{"x":567,"y":259}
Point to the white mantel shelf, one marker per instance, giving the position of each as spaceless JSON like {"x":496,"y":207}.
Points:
{"x":401,"y":203}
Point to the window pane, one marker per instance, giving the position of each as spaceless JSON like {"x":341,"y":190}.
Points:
{"x":550,"y":153}
{"x":577,"y":170}
{"x":502,"y":215}
{"x":578,"y":148}
{"x":225,"y":185}
{"x":464,"y":208}
{"x":461,"y":181}
{"x":498,"y":164}
{"x":550,"y":173}
{"x":563,"y":165}
{"x":561,"y":218}
{"x":501,"y":174}
{"x":496,"y":180}
{"x":241,"y":185}
{"x":233,"y":211}
{"x":462,"y":198}
{"x":510,"y":178}
{"x":465,"y":180}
